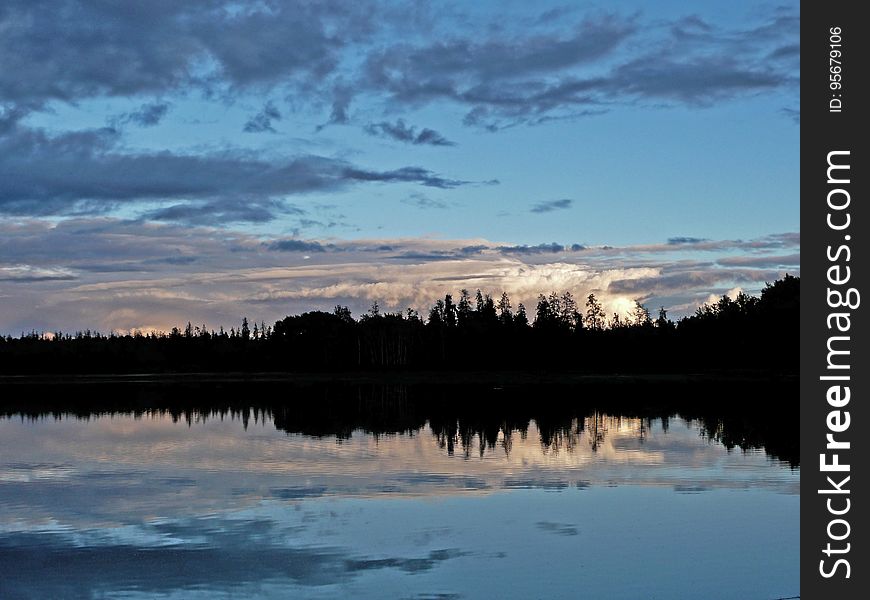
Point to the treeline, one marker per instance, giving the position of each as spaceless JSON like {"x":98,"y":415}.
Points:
{"x":468,"y":333}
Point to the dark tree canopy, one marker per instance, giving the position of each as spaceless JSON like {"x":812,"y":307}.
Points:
{"x":475,"y":333}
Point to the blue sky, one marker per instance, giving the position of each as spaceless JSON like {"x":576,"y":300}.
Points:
{"x":426,"y":128}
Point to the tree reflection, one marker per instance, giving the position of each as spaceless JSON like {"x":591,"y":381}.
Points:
{"x":469,"y":421}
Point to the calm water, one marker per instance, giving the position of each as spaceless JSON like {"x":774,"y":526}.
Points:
{"x":236,"y":503}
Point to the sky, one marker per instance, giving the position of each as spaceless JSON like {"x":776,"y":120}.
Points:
{"x":167,"y":162}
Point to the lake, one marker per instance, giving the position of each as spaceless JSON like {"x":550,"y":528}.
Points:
{"x":274,"y":491}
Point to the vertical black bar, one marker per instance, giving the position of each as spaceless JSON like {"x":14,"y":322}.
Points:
{"x":834,"y":227}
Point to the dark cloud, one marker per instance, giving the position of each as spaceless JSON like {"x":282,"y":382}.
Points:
{"x":777,"y":241}
{"x":402,"y":132}
{"x":10,"y":116}
{"x":695,"y":80}
{"x":420,"y":72}
{"x":148,"y":115}
{"x":552,"y":248}
{"x":542,"y":76}
{"x":709,"y":64}
{"x":405,"y":174}
{"x":675,"y":241}
{"x":68,"y":49}
{"x":496,"y":76}
{"x":326,"y":54}
{"x":507,"y":105}
{"x":480,"y":249}
{"x":432,"y":138}
{"x":230,"y":210}
{"x":296,"y":246}
{"x":262,"y":121}
{"x":551,"y":205}
{"x":471,"y":250}
{"x":341,"y":98}
{"x":87,"y":173}
{"x":72,"y":49}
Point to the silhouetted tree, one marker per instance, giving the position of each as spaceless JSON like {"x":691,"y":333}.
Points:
{"x":595,"y":316}
{"x":545,"y":313}
{"x":463,"y":309}
{"x":343,"y":313}
{"x":504,"y":310}
{"x":436,"y":314}
{"x":569,"y":317}
{"x":662,"y":322}
{"x":521,"y":319}
{"x":641,"y":315}
{"x":449,"y":311}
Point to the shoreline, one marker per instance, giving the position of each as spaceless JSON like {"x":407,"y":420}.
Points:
{"x":398,"y":377}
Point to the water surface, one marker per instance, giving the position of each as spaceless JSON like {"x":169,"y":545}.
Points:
{"x":382,"y":496}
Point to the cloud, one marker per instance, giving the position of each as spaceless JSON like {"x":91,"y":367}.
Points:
{"x":148,"y":115}
{"x":230,"y":210}
{"x":675,"y":241}
{"x":677,"y":280}
{"x":700,"y":81}
{"x":540,"y":75}
{"x":72,"y":49}
{"x":405,"y":174}
{"x":401,"y":132}
{"x":552,"y":248}
{"x":122,"y":275}
{"x":30,"y":274}
{"x":296,"y":246}
{"x":328,"y":54}
{"x":776,"y":241}
{"x":420,"y":72}
{"x":762,"y":262}
{"x":502,"y":76}
{"x":551,"y":205}
{"x":432,"y":138}
{"x":87,"y":172}
{"x":262,"y":121}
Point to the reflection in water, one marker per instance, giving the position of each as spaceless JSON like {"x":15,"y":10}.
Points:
{"x":390,"y":492}
{"x":734,"y":415}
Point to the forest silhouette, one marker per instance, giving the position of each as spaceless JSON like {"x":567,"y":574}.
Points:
{"x":470,"y":333}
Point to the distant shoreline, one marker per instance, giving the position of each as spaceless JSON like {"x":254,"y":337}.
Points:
{"x":494,"y":378}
